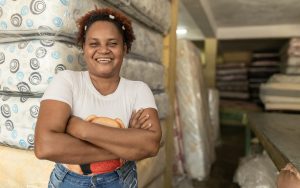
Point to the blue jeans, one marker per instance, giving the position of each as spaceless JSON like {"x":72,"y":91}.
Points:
{"x":124,"y":177}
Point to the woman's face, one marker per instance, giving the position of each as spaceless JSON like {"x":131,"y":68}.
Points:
{"x":104,"y":49}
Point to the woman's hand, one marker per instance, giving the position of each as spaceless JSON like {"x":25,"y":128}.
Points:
{"x":139,"y":120}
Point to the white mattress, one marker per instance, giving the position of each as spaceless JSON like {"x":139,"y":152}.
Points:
{"x":58,"y":16}
{"x":30,"y":66}
{"x":282,"y":106}
{"x":18,"y":121}
{"x":194,"y":111}
{"x":213,"y":97}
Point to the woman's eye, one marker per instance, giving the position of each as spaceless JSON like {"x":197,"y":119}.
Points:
{"x":93,"y":44}
{"x":112,"y":44}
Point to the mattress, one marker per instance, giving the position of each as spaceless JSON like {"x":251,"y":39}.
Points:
{"x":148,"y":43}
{"x":293,"y":61}
{"x":234,"y":95}
{"x":265,"y":63}
{"x":283,"y":78}
{"x":232,"y":86}
{"x":150,"y":168}
{"x":282,"y":106}
{"x":30,"y":66}
{"x":32,"y":16}
{"x":231,"y":65}
{"x":293,"y":70}
{"x":235,"y":77}
{"x":294,"y":47}
{"x":178,"y":154}
{"x":155,"y":14}
{"x":18,"y":121}
{"x":20,"y":168}
{"x":237,"y":71}
{"x":280,"y":93}
{"x":162,"y":102}
{"x":213,"y":98}
{"x":194,"y":111}
{"x":148,"y":72}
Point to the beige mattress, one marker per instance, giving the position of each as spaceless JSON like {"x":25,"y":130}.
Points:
{"x":21,"y":169}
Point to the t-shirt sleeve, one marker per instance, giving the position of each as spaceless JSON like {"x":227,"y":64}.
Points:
{"x":60,"y":88}
{"x":144,"y":97}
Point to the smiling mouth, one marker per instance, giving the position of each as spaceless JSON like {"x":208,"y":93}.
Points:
{"x":103,"y":60}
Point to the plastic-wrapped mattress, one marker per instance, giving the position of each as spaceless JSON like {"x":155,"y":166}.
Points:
{"x":154,"y":13}
{"x":149,"y":72}
{"x":213,"y":98}
{"x":29,"y":66}
{"x":38,"y":17}
{"x":17,"y":121}
{"x":194,"y":111}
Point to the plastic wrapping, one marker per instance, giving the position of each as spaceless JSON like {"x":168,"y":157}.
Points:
{"x":148,"y":72}
{"x":40,"y":17}
{"x":148,"y":43}
{"x":29,"y":66}
{"x":256,"y":171}
{"x":154,"y":13}
{"x":150,"y":168}
{"x":162,"y":102}
{"x":213,"y":98}
{"x":178,"y":154}
{"x":17,"y":121}
{"x":20,"y":168}
{"x":194,"y":111}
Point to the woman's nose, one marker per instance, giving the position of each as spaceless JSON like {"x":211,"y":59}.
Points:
{"x":103,"y":49}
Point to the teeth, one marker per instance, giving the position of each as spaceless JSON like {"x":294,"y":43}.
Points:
{"x":103,"y":60}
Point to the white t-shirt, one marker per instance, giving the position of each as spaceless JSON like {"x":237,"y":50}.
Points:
{"x":76,"y":89}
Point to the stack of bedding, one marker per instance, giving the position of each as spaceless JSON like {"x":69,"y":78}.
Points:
{"x":263,"y":66}
{"x":281,"y":92}
{"x":291,"y":57}
{"x":37,"y":40}
{"x":232,"y":80}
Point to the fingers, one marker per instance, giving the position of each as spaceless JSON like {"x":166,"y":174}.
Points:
{"x":139,"y":120}
{"x":135,"y":118}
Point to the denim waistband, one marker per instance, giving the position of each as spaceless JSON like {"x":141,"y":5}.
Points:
{"x":64,"y":173}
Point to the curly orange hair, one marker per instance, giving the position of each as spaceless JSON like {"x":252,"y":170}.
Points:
{"x":106,"y":14}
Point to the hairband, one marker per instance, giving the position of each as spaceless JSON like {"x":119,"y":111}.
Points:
{"x":111,"y":17}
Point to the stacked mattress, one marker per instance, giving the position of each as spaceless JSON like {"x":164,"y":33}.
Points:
{"x":291,"y":57}
{"x":37,"y":40}
{"x":263,"y":66}
{"x":232,"y":80}
{"x":194,"y":111}
{"x":281,"y":92}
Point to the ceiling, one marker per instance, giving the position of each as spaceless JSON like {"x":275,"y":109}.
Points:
{"x":241,"y":24}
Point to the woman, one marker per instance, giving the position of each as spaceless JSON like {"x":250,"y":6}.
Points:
{"x":64,"y":133}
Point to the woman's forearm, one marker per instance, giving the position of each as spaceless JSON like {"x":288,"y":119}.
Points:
{"x":63,"y":148}
{"x":130,"y":144}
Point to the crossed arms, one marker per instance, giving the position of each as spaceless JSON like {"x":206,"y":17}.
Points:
{"x":61,"y":137}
